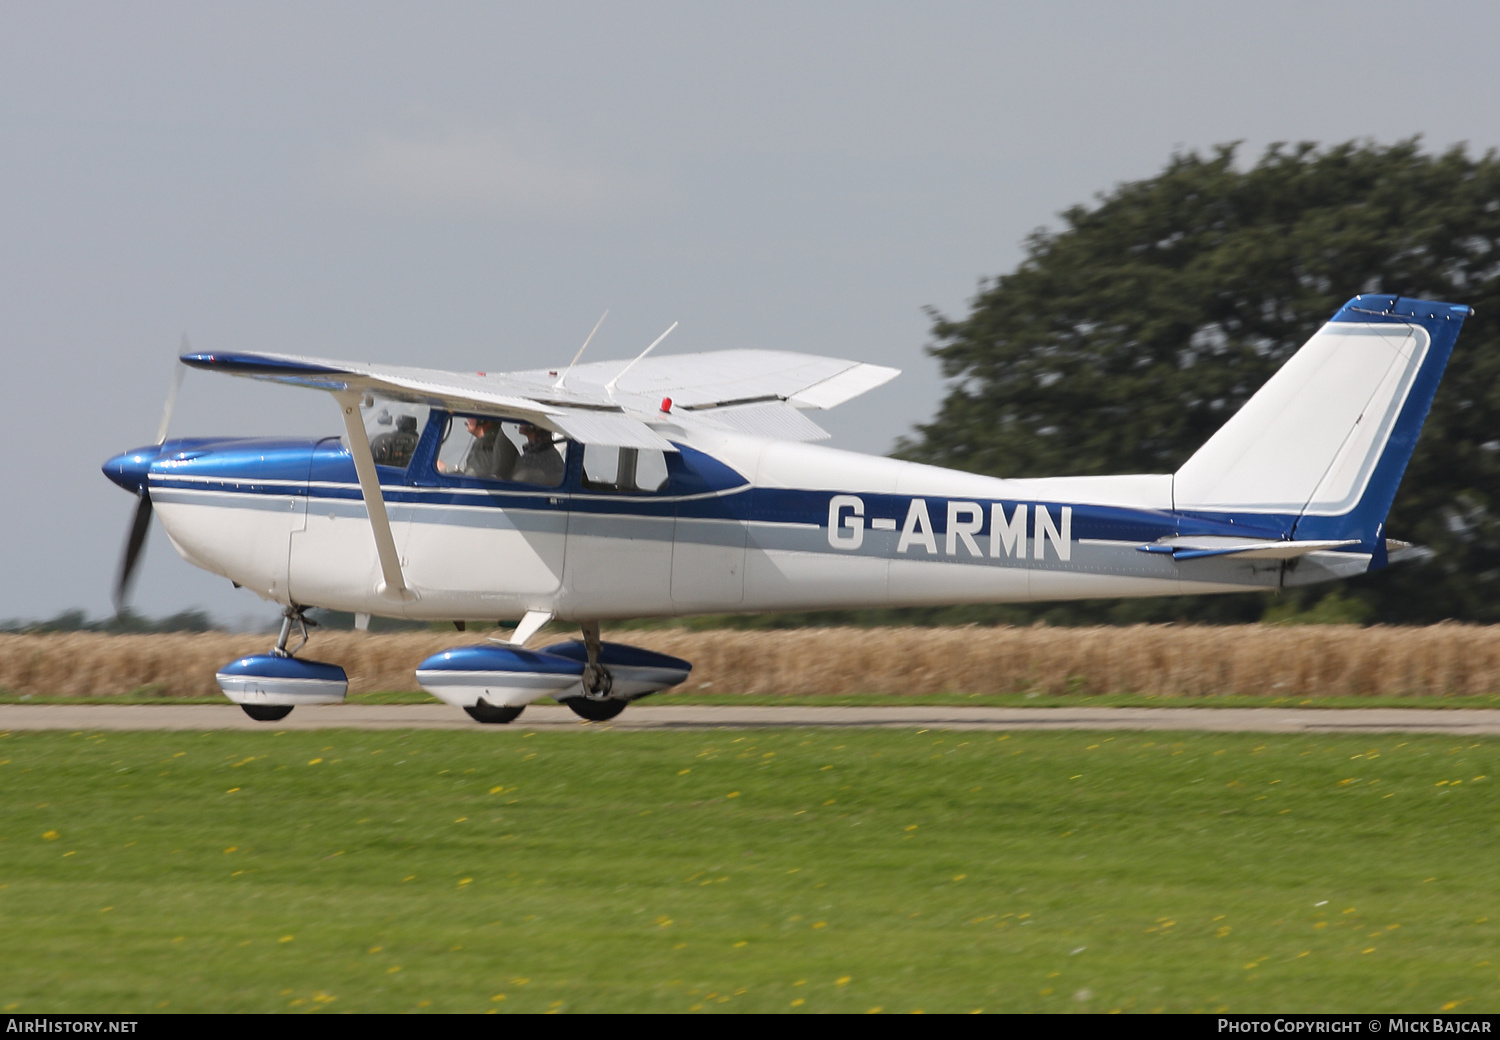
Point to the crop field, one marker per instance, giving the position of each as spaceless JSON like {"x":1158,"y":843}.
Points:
{"x":775,"y":870}
{"x":1148,"y":661}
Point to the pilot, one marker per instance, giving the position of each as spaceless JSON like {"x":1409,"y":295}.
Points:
{"x":540,"y":462}
{"x":397,"y":447}
{"x":490,"y":457}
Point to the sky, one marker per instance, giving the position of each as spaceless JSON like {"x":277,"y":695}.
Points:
{"x":469,"y":186}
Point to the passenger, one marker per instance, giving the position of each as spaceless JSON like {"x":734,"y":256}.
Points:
{"x":540,"y":462}
{"x":490,"y":457}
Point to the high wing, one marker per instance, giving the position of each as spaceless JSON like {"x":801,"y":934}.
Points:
{"x":752,"y":391}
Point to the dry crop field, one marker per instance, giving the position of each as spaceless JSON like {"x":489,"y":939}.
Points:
{"x":1150,"y":660}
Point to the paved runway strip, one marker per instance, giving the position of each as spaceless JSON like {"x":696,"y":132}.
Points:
{"x":16,"y":717}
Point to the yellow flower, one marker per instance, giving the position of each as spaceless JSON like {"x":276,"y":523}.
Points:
{"x":50,"y":836}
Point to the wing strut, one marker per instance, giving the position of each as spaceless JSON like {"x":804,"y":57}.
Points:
{"x":394,"y":584}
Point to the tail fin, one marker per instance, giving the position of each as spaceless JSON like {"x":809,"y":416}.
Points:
{"x":1325,"y":442}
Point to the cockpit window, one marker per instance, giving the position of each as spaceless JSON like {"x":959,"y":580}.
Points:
{"x":607,"y":468}
{"x":487,"y":448}
{"x":393,"y":429}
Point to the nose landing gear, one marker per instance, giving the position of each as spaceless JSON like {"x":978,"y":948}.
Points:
{"x":269,"y":686}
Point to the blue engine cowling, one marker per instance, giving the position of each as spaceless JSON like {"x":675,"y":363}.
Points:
{"x":503,"y":676}
{"x":266,"y":679}
{"x":636,"y":672}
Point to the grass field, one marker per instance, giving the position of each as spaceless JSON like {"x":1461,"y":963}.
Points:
{"x":772,"y":871}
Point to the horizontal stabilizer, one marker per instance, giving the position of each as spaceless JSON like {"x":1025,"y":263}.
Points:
{"x":1246,"y":548}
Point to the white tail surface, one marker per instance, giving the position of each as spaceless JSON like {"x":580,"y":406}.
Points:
{"x":1308,"y":441}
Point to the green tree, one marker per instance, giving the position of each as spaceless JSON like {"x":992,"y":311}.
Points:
{"x":1126,"y":337}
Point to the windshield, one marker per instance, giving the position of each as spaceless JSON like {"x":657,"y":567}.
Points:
{"x":393,"y":429}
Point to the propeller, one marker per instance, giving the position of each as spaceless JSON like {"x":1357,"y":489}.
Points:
{"x":140,"y":524}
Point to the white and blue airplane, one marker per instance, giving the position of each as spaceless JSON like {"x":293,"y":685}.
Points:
{"x":668,"y":486}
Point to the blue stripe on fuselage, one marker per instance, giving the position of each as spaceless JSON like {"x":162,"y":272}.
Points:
{"x":700,"y":488}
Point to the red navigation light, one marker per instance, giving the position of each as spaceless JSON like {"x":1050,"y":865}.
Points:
{"x":666,"y":404}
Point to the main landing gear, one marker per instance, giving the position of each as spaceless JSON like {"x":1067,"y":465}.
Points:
{"x":595,"y":703}
{"x":494,"y":682}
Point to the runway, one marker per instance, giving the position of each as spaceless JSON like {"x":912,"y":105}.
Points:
{"x":94,"y":718}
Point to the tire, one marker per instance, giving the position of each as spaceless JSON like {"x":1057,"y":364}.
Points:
{"x":595,"y":711}
{"x":483,"y":711}
{"x":267,"y":712}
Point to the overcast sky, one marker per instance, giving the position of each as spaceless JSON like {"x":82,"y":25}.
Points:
{"x":469,"y":186}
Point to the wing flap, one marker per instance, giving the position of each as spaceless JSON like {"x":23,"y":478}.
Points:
{"x":608,"y":428}
{"x":775,"y":420}
{"x":723,"y":378}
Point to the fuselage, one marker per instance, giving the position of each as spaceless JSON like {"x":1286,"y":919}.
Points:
{"x":740,"y":524}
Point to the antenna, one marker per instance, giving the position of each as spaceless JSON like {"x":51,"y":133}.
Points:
{"x":564,"y":377}
{"x":610,"y":386}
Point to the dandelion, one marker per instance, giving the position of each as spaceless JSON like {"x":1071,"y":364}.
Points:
{"x":732,"y":794}
{"x":286,"y":938}
{"x":231,"y":790}
{"x":796,"y":1003}
{"x":842,"y":980}
{"x":497,"y":998}
{"x":683,"y":772}
{"x":50,"y":835}
{"x":393,"y":969}
{"x":820,"y":924}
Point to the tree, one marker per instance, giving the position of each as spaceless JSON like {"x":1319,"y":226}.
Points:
{"x":1127,"y":337}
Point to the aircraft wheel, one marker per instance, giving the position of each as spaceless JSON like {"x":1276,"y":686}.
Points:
{"x":267,"y":712}
{"x":595,"y":711}
{"x":484,"y":711}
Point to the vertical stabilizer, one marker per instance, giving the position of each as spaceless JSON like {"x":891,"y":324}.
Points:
{"x":1324,"y":443}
